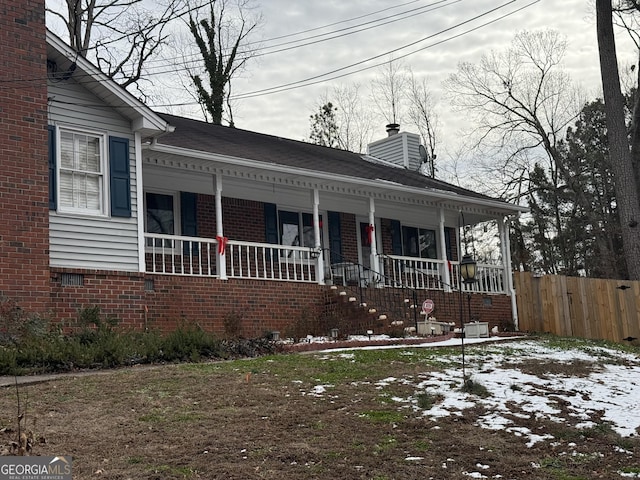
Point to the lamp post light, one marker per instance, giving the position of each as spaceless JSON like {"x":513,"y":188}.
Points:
{"x":468,"y":273}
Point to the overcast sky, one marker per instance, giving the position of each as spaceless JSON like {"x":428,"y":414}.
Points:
{"x":287,"y":113}
{"x":352,"y":37}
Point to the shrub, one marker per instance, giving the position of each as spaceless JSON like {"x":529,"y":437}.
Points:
{"x":37,"y":348}
{"x":475,"y":388}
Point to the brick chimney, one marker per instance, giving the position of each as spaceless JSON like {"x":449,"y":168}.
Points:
{"x":24,"y":213}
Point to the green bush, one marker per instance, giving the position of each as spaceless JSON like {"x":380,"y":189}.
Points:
{"x":34,"y":347}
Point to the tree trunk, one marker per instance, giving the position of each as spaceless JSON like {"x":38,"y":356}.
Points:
{"x":621,"y":162}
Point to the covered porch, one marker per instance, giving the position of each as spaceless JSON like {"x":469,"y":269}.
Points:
{"x":209,"y":218}
{"x":231,"y":207}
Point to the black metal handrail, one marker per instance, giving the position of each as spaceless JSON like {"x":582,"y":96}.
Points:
{"x":397,"y":301}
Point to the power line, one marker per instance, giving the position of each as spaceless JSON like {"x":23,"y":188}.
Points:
{"x":285,"y":86}
{"x":390,"y":19}
{"x":310,"y":81}
{"x":322,"y":27}
{"x":258,"y":52}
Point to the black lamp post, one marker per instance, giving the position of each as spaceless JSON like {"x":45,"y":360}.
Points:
{"x":468,"y":273}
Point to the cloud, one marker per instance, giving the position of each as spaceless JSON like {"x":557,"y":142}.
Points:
{"x":287,"y":113}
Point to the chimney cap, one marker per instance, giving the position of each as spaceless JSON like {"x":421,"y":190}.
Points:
{"x":392,"y":128}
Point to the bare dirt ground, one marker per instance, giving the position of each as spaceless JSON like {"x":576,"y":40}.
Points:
{"x":266,"y":419}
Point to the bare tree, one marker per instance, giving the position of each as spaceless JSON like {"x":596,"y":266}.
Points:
{"x":219,"y":38}
{"x":522,"y":102}
{"x":120,"y":36}
{"x":353,"y":120}
{"x":388,"y":91}
{"x":620,"y":155}
{"x":422,"y":113}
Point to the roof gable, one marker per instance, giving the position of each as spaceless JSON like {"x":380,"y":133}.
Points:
{"x":73,"y":66}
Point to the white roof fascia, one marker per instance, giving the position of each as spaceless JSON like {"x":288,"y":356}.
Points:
{"x":142,"y":117}
{"x":243,"y":162}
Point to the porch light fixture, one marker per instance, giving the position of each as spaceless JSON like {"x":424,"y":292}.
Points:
{"x":468,"y":269}
{"x":314,"y":253}
{"x":468,"y":272}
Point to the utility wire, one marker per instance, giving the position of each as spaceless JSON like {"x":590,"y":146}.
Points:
{"x":303,"y":82}
{"x":309,"y":82}
{"x":284,"y":88}
{"x":260,"y":52}
{"x":180,"y":69}
{"x":322,"y":27}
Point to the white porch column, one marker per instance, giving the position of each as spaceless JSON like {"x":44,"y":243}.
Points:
{"x":140,"y":213}
{"x":446,"y":277}
{"x":506,"y":261}
{"x":221,"y":263}
{"x":373,"y":261}
{"x":316,"y":236}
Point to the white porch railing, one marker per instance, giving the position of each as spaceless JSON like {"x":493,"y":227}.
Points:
{"x":178,"y":255}
{"x":269,"y":262}
{"x":422,"y":273}
{"x":412,"y":272}
{"x":195,"y":256}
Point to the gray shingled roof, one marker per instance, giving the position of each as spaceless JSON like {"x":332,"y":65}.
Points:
{"x":234,"y":142}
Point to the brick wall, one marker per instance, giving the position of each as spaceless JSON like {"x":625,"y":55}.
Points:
{"x":494,"y":309}
{"x":349,"y":237}
{"x":243,"y":219}
{"x":24,"y":213}
{"x":263,"y":306}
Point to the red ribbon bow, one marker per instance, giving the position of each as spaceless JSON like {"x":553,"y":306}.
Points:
{"x":222,"y":244}
{"x":369,"y":229}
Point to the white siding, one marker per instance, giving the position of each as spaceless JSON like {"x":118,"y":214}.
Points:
{"x":81,"y":241}
{"x":402,"y":149}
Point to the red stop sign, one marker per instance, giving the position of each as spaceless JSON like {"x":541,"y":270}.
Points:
{"x":427,"y":306}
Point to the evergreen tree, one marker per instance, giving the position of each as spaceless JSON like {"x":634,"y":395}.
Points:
{"x":324,"y":128}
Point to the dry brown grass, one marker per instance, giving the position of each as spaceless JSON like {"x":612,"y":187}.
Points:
{"x":260,"y":419}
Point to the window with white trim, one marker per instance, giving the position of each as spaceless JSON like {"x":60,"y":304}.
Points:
{"x":161,"y":215}
{"x":419,"y":242}
{"x":82,"y":172}
{"x":296,"y":230}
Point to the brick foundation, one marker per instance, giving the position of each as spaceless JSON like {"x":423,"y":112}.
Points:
{"x":250,"y":307}
{"x":261,"y":306}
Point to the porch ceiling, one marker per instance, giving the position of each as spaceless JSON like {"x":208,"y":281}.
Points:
{"x":389,"y":197}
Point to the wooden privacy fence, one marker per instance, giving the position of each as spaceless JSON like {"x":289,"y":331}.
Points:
{"x":580,"y":307}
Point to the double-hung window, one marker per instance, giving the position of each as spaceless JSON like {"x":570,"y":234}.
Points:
{"x":82,"y":173}
{"x":296,"y":229}
{"x":419,"y":242}
{"x":161,"y":216}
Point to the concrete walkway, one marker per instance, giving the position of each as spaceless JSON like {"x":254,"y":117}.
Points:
{"x":9,"y":381}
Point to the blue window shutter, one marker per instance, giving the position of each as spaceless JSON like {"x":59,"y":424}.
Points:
{"x":120,"y":178}
{"x":335,"y":236}
{"x":271,"y":223}
{"x":189,"y":218}
{"x":396,"y":237}
{"x":449,"y":235}
{"x":52,"y":168}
